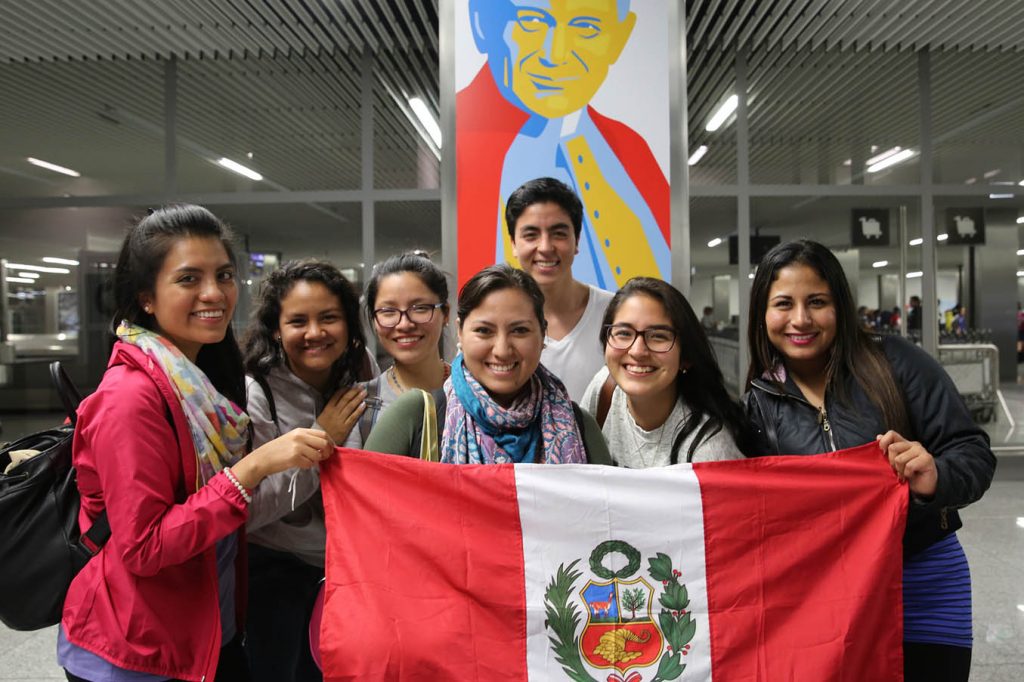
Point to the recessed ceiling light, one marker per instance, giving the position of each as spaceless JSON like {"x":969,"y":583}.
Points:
{"x":942,"y":237}
{"x":915,"y":274}
{"x":236,"y":167}
{"x":38,"y":268}
{"x":54,"y":167}
{"x":723,"y":113}
{"x":714,"y":242}
{"x":21,"y":280}
{"x":992,"y":173}
{"x":697,"y":155}
{"x":883,"y":156}
{"x":59,"y":261}
{"x":29,"y":275}
{"x":1000,"y":196}
{"x":879,"y":263}
{"x":1020,"y":252}
{"x":1020,"y":220}
{"x":916,"y":242}
{"x":898,"y":157}
{"x":419,"y":107}
{"x":970,"y":181}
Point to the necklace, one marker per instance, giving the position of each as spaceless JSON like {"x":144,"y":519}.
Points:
{"x":400,"y":389}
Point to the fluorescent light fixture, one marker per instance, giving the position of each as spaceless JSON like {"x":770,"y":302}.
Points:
{"x":1020,"y":607}
{"x":1021,"y":183}
{"x":942,"y":237}
{"x":898,"y":157}
{"x":1020,"y":252}
{"x":54,"y":167}
{"x":236,"y":167}
{"x":915,"y":274}
{"x":723,"y":113}
{"x":970,"y":181}
{"x":1020,"y":521}
{"x":59,"y":261}
{"x":750,"y":276}
{"x":916,"y":242}
{"x":21,"y":280}
{"x":419,"y":107}
{"x":714,"y":242}
{"x":1000,"y":196}
{"x":1020,"y":273}
{"x":848,"y":163}
{"x":29,"y":275}
{"x":1020,"y":220}
{"x":883,"y":156}
{"x":991,"y":173}
{"x":698,"y":155}
{"x":38,"y":268}
{"x":879,"y":263}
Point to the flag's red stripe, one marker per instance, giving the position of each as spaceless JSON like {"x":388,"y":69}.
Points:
{"x":781,"y":612}
{"x":464,"y":619}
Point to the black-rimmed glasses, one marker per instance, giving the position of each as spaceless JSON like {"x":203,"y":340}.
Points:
{"x":421,"y":313}
{"x":657,"y":339}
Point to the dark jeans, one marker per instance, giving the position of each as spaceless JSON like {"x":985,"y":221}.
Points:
{"x":935,"y":663}
{"x":231,"y":667}
{"x":282,"y":589}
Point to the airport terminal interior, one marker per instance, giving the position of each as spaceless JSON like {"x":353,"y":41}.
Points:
{"x":893,"y":133}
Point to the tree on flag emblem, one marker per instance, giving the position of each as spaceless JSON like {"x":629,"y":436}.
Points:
{"x":621,"y":633}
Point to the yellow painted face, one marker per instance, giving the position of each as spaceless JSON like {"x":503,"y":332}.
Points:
{"x":561,"y":51}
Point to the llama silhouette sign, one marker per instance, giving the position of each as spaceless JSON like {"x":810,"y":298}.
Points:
{"x":870,"y":227}
{"x":965,"y":226}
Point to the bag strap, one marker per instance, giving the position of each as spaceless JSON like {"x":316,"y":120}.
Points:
{"x":577,"y":412}
{"x":271,"y":405}
{"x":372,"y":400}
{"x":604,"y":399}
{"x":70,"y":397}
{"x":428,"y":435}
{"x":93,"y":539}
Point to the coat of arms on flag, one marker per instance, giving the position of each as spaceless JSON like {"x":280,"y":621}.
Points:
{"x":620,"y":632}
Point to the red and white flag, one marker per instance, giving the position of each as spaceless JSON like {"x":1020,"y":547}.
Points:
{"x":772,"y":569}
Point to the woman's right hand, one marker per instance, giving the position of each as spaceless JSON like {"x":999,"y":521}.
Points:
{"x":302,"y":448}
{"x":342,"y":412}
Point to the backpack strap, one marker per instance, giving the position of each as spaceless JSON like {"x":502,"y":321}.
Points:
{"x":373,"y":403}
{"x":604,"y":400}
{"x":271,"y":405}
{"x":578,"y":413}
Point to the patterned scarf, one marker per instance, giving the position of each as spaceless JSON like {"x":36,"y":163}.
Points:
{"x":218,"y":427}
{"x":477,"y":430}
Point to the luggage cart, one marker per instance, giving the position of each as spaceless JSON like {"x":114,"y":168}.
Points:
{"x":974,"y":368}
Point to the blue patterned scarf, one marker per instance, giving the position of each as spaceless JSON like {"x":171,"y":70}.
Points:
{"x":480,"y":431}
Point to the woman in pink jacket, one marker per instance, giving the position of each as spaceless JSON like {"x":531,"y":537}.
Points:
{"x":161,"y":447}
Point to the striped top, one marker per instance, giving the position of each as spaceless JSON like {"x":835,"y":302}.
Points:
{"x":937,"y":595}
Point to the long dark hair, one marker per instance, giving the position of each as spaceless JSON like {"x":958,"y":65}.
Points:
{"x":854,"y":352}
{"x":142,"y":255}
{"x":262,"y":351}
{"x":702,"y":387}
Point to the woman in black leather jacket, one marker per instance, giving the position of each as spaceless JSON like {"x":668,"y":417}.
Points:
{"x":818,"y":382}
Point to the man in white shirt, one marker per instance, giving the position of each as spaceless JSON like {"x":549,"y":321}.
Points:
{"x":544,"y":218}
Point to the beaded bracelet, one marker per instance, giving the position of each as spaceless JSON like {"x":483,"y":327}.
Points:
{"x":241,"y":488}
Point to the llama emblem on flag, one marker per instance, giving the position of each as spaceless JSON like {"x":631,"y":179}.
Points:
{"x":620,"y":632}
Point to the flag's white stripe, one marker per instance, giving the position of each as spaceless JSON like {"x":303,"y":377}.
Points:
{"x":568,"y":510}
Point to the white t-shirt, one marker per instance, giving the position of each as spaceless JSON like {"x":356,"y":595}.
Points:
{"x":634,"y":448}
{"x":576,"y":356}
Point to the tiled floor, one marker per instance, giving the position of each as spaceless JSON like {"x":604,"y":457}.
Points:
{"x":993,"y":536}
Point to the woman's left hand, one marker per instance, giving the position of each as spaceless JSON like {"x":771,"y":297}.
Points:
{"x":911,"y":462}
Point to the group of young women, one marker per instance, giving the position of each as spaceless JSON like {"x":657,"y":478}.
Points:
{"x":204,"y":452}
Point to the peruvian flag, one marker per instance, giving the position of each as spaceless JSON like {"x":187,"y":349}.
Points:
{"x":772,"y":569}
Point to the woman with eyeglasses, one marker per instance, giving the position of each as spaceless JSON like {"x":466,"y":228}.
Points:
{"x":661,"y":399}
{"x":407,"y":306}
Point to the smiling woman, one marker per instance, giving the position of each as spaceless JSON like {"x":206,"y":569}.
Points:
{"x":500,"y":404}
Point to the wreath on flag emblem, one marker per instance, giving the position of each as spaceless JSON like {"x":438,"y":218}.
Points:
{"x":619,"y":637}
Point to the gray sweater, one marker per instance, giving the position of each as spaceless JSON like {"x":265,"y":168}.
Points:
{"x":634,"y":448}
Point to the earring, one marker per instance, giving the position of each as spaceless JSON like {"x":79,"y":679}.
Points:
{"x":148,"y":309}
{"x":683,"y":370}
{"x":458,"y":346}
